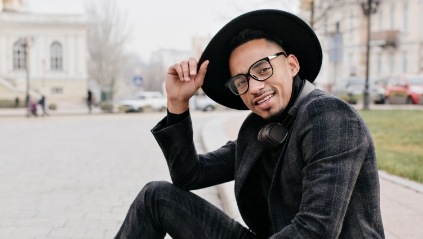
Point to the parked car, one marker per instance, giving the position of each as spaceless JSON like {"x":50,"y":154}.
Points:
{"x":405,"y":89}
{"x":143,"y":101}
{"x":351,"y":89}
{"x":203,"y":103}
{"x":378,"y":90}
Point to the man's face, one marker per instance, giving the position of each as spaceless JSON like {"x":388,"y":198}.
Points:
{"x":265,"y":98}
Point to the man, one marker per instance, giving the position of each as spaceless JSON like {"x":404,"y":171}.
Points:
{"x":42,"y":103}
{"x":303,"y":163}
{"x":90,"y":100}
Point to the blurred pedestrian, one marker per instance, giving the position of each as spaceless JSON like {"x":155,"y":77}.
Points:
{"x":27,"y":99}
{"x":42,"y":103}
{"x":17,"y":102}
{"x":90,"y":100}
{"x":32,"y":107}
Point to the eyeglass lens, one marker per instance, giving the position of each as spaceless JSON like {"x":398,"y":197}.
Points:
{"x":260,"y":71}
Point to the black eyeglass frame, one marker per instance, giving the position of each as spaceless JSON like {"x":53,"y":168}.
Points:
{"x":248,"y":74}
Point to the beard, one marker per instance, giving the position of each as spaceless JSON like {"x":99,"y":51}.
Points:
{"x":276,"y":117}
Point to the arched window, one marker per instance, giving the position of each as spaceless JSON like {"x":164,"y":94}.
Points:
{"x":19,"y":56}
{"x":56,"y":57}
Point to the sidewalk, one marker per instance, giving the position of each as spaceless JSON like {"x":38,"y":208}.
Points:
{"x":401,"y":199}
{"x":74,"y":176}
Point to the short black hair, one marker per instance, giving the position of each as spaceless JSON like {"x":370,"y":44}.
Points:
{"x":248,"y":34}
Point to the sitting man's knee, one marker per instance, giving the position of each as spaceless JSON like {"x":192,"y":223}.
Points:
{"x":152,"y":191}
{"x":156,"y":186}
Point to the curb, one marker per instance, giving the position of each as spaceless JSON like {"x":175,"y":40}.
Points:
{"x":418,"y":187}
{"x":213,"y":137}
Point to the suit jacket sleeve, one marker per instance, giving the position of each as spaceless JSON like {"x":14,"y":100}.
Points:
{"x":188,"y":169}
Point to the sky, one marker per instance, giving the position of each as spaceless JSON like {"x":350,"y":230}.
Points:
{"x":166,"y":24}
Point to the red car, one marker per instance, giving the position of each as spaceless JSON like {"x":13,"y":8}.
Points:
{"x":405,"y":89}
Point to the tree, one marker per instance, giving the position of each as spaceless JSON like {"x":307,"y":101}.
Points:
{"x":319,"y":9}
{"x":107,"y":35}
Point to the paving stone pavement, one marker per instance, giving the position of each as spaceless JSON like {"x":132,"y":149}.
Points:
{"x":76,"y":176}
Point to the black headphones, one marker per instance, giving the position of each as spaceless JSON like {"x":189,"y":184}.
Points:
{"x":273,"y":134}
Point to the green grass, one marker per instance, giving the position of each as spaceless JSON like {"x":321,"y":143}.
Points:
{"x":398,"y":137}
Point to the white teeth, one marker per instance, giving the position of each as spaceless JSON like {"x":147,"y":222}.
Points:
{"x":265,"y":99}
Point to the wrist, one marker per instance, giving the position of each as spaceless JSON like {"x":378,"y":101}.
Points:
{"x":177,"y":106}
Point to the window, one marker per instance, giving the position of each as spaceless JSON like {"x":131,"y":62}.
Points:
{"x":379,"y":63}
{"x":19,"y":56}
{"x":56,"y":57}
{"x":380,"y":19}
{"x":392,"y":19}
{"x":392,"y":63}
{"x":404,"y":61}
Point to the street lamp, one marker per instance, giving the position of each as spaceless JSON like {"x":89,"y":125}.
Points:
{"x":369,"y":7}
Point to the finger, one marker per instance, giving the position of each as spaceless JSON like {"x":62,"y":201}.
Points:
{"x":172,"y":70}
{"x":192,"y":66}
{"x":176,"y":70}
{"x":201,"y":73}
{"x":185,"y":70}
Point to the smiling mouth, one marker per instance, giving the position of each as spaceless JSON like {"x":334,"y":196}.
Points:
{"x":267,"y":98}
{"x":263,"y":99}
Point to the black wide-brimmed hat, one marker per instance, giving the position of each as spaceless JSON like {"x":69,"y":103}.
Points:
{"x":297,"y":37}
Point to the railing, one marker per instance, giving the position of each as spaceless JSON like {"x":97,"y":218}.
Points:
{"x":8,"y":84}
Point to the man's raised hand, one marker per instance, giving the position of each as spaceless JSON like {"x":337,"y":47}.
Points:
{"x":182,"y":81}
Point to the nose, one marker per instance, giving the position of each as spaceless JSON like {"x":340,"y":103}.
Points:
{"x":255,"y":86}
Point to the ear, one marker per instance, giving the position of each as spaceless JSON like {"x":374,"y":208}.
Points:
{"x":294,"y":65}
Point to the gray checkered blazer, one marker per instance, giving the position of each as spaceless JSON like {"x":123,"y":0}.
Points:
{"x":325,"y":185}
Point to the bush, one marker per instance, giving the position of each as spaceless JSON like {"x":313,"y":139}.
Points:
{"x":10,"y":104}
{"x":106,"y":106}
{"x":349,"y":99}
{"x":52,"y":106}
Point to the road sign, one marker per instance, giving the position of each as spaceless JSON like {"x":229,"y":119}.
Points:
{"x":138,"y":80}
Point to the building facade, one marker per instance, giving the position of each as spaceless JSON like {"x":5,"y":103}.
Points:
{"x":42,"y":54}
{"x":396,"y":38}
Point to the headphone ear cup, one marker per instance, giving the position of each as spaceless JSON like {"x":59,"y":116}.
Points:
{"x":272,"y":134}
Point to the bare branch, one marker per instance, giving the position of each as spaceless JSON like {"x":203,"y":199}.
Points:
{"x":107,"y":35}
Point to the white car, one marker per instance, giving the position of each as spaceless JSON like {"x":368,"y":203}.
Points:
{"x":203,"y":103}
{"x":144,"y":101}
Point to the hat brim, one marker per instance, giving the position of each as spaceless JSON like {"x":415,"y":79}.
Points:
{"x":298,"y":39}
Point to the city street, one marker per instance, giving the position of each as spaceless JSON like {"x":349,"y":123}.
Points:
{"x":76,"y":176}
{"x":74,"y":154}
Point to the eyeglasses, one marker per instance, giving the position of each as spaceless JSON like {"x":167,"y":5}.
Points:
{"x":261,"y":70}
